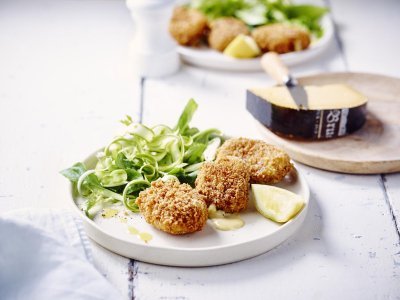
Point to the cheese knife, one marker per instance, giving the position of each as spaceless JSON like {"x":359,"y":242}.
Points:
{"x":273,"y":65}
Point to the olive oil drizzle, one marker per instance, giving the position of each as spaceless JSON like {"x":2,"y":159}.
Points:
{"x":224,"y":221}
{"x":144,"y":236}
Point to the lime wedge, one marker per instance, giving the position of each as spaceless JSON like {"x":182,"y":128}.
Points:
{"x":275,"y":203}
{"x":243,"y":46}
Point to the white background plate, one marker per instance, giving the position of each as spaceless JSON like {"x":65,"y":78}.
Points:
{"x":209,"y":58}
{"x":205,"y":248}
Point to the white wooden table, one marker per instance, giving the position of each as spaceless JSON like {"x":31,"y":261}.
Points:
{"x":65,"y":80}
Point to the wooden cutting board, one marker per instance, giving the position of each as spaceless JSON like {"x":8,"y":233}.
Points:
{"x":375,"y":148}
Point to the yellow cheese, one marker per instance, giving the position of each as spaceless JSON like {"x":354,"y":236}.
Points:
{"x":333,"y":96}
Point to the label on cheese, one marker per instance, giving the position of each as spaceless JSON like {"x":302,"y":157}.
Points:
{"x":324,"y":119}
{"x":331,"y":123}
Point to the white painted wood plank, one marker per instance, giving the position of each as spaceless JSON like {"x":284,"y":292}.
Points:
{"x":369,"y":32}
{"x":369,"y":44}
{"x":65,"y":82}
{"x":345,"y":250}
{"x":392,"y":185}
{"x":115,"y":268}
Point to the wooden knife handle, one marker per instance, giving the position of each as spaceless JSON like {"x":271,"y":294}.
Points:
{"x":273,"y":65}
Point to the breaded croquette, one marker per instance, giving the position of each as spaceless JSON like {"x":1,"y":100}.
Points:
{"x":225,"y":183}
{"x":173,"y":207}
{"x":187,"y":26}
{"x":268,"y":164}
{"x":281,"y":38}
{"x":224,"y":30}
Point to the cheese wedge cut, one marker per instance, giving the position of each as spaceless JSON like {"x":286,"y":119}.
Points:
{"x":333,"y":111}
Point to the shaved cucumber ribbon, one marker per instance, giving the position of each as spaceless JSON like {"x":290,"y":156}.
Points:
{"x":131,"y":202}
{"x":81,"y":179}
{"x":142,"y":154}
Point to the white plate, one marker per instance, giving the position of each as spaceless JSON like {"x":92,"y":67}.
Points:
{"x":209,"y":58}
{"x":205,"y":248}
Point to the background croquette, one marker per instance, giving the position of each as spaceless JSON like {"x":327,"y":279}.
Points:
{"x":225,"y":183}
{"x":281,"y":38}
{"x":224,"y":30}
{"x":268,"y":164}
{"x":173,"y":207}
{"x":187,"y":26}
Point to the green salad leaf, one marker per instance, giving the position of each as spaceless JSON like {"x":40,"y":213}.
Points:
{"x":214,"y":9}
{"x":133,"y":160}
{"x":307,"y":16}
{"x":260,"y":12}
{"x":311,"y":12}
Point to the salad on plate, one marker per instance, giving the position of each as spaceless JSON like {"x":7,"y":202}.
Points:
{"x":179,"y":177}
{"x":247,"y":28}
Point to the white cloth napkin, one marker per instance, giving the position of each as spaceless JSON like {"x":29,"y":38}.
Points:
{"x":46,"y":255}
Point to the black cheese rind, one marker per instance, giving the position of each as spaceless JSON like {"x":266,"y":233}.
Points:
{"x":306,"y":124}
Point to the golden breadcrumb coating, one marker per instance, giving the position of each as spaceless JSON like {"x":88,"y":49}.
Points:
{"x":173,"y":207}
{"x":268,"y":164}
{"x":281,"y":38}
{"x":224,"y":30}
{"x":187,"y":26}
{"x":225,"y":183}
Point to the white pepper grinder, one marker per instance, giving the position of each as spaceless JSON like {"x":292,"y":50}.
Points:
{"x":154,"y":53}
